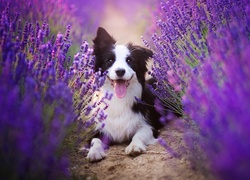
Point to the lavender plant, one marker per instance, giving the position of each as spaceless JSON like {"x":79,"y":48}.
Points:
{"x":38,"y":83}
{"x":203,"y":48}
{"x":85,"y":84}
{"x":59,"y":13}
{"x":174,"y":39}
{"x":34,"y":119}
{"x":222,"y":90}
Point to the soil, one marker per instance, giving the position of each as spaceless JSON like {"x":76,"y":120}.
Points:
{"x":156,"y":163}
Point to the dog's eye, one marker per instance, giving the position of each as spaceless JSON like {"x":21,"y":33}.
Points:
{"x":128,"y":60}
{"x":109,"y":61}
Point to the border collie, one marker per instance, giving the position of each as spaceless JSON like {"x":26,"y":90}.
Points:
{"x":127,"y":119}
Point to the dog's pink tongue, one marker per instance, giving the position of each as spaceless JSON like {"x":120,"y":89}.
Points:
{"x":120,"y":88}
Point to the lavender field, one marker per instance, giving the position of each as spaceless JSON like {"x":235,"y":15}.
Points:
{"x":201,"y":50}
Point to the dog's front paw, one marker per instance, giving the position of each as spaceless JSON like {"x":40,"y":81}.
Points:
{"x":96,"y":155}
{"x":96,"y":152}
{"x":135,"y":148}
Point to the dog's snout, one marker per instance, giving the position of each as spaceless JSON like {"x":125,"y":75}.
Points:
{"x":120,"y":72}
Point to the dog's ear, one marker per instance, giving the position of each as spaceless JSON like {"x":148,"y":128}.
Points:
{"x":140,"y":52}
{"x":102,"y":40}
{"x":147,"y":53}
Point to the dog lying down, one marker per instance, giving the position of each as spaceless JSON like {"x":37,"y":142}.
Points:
{"x":127,"y":119}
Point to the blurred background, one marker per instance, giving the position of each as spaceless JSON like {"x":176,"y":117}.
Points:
{"x":127,"y":20}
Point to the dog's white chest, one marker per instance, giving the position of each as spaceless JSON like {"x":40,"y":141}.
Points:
{"x":122,"y":122}
{"x":122,"y":128}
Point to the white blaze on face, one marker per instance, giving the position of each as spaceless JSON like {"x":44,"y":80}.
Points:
{"x":121,"y":83}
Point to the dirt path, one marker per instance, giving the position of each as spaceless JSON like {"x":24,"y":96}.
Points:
{"x":155,"y":164}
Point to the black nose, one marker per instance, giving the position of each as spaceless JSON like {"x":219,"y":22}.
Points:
{"x":120,"y":72}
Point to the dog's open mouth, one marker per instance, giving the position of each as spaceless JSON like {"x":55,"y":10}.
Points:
{"x":120,"y":86}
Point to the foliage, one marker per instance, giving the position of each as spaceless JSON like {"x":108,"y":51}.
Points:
{"x":203,"y":48}
{"x":38,"y":108}
{"x":60,"y":14}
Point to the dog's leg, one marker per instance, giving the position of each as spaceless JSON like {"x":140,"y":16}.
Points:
{"x":96,"y":151}
{"x":141,"y":139}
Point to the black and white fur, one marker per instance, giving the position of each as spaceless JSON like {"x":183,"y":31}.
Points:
{"x":127,"y":120}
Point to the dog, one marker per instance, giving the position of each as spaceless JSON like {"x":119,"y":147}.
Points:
{"x":131,"y":114}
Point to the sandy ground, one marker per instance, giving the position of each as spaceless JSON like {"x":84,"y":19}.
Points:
{"x":156,"y":163}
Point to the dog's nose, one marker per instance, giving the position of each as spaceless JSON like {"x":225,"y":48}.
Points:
{"x":120,"y":72}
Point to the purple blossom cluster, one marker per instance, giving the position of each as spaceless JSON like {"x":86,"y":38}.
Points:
{"x":172,"y":39}
{"x":181,"y":43}
{"x":201,"y":51}
{"x":60,"y":13}
{"x":217,"y":100}
{"x":42,"y":94}
{"x":35,"y":114}
{"x":85,"y":84}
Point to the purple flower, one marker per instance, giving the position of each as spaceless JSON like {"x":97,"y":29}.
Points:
{"x":202,"y":49}
{"x":222,"y":116}
{"x":36,"y":105}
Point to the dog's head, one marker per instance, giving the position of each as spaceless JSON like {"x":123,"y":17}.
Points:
{"x":124,"y":64}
